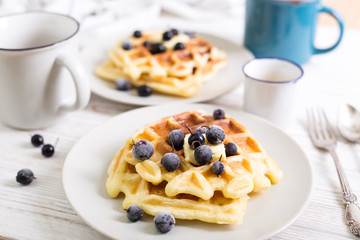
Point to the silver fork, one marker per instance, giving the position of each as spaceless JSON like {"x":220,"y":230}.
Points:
{"x":322,"y":136}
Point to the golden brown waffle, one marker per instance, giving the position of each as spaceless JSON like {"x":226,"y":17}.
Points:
{"x":180,"y":72}
{"x":152,"y":198}
{"x":196,"y":188}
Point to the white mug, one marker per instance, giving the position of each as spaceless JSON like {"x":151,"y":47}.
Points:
{"x":41,"y":78}
{"x":270,"y":88}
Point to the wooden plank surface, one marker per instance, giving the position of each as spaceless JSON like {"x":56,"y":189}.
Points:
{"x":41,"y":210}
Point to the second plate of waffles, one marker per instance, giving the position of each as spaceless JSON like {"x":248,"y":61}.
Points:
{"x":188,"y":68}
{"x":272,"y":176}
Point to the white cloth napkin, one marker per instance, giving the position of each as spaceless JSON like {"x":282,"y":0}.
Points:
{"x":204,"y":9}
{"x":90,"y":13}
{"x":220,"y":17}
{"x":96,"y":12}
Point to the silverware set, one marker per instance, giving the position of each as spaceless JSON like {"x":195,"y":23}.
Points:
{"x":323,"y":136}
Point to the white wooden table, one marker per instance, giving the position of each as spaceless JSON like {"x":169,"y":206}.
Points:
{"x":41,"y":210}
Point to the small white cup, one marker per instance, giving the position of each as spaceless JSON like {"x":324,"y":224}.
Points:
{"x":40,"y":76}
{"x":270,"y":88}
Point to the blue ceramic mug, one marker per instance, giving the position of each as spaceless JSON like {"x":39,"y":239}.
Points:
{"x":285,"y":28}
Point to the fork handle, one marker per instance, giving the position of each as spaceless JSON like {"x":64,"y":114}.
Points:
{"x":352,"y":215}
{"x":352,"y":209}
{"x":341,"y":174}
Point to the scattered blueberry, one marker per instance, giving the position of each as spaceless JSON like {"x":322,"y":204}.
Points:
{"x":37,"y":140}
{"x":134,"y":213}
{"x":190,"y":34}
{"x":144,"y":91}
{"x":170,"y":161}
{"x":195,"y":140}
{"x":123,"y":84}
{"x":176,"y":139}
{"x":142,"y":150}
{"x":137,"y":34}
{"x":164,"y":222}
{"x":146,"y":43}
{"x":203,"y":154}
{"x":230,"y":149}
{"x":219,"y":113}
{"x":126,"y":45}
{"x":167,"y":35}
{"x":174,"y":31}
{"x":215,"y":134}
{"x":218,"y":167}
{"x":47,"y":150}
{"x":157,"y":48}
{"x":25,"y":176}
{"x":201,"y":129}
{"x":179,"y":46}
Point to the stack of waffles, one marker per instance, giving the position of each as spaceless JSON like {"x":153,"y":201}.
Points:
{"x":192,"y":191}
{"x":173,"y":71}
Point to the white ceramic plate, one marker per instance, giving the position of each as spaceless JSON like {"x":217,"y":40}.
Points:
{"x":85,"y":173}
{"x":226,"y":80}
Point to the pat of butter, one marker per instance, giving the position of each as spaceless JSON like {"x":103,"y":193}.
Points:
{"x":217,"y":150}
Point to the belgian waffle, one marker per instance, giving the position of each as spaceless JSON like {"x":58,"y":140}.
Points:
{"x":152,"y":198}
{"x":175,"y":72}
{"x":192,"y":192}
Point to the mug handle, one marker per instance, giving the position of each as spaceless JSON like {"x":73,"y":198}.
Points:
{"x":339,"y":19}
{"x":82,"y":87}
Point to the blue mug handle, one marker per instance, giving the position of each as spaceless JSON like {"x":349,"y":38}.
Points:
{"x":338,"y":18}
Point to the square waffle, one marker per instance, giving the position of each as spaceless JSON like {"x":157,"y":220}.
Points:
{"x":192,"y":192}
{"x":175,"y":72}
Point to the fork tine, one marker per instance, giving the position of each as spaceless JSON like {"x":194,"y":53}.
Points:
{"x":312,"y":124}
{"x":323,"y":133}
{"x":319,"y":126}
{"x":310,"y":121}
{"x":317,"y":129}
{"x":330,"y":130}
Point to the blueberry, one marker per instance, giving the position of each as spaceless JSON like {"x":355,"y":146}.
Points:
{"x":179,"y":46}
{"x":142,"y":150}
{"x":195,"y":140}
{"x":230,"y":149}
{"x":218,"y":167}
{"x":134,"y":213}
{"x":126,"y":45}
{"x":203,"y":154}
{"x":174,"y":31}
{"x":25,"y":176}
{"x":219,"y":113}
{"x":137,"y":34}
{"x":215,"y":134}
{"x":167,"y":35}
{"x":191,"y":34}
{"x":164,"y":222}
{"x":144,"y":91}
{"x":37,"y":140}
{"x":176,"y":139}
{"x":47,"y":150}
{"x":157,"y":48}
{"x":170,"y":161}
{"x":123,"y":84}
{"x":146,"y":43}
{"x":201,"y":129}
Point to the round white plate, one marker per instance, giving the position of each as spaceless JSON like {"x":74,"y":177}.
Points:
{"x":85,"y":174}
{"x":226,"y":80}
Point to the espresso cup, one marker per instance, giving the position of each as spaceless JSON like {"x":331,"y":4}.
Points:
{"x":41,"y":78}
{"x":285,"y":28}
{"x":270,"y":89}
